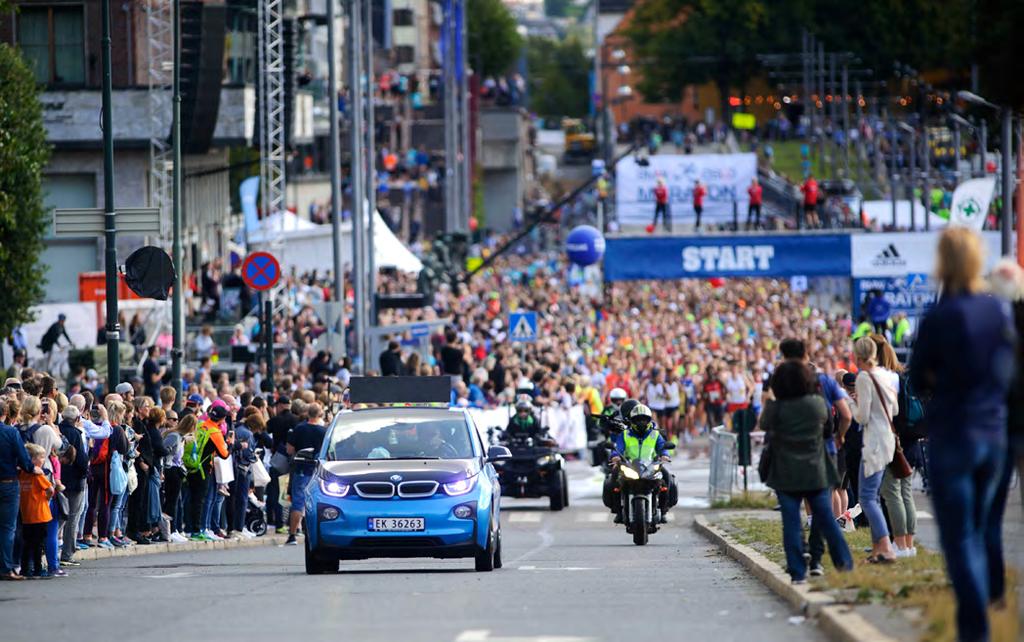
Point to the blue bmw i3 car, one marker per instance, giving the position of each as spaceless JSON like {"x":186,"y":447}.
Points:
{"x":403,"y":482}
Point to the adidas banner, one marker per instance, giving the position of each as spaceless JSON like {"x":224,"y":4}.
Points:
{"x":900,"y":254}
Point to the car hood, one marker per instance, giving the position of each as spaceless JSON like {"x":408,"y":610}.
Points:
{"x":439,"y":470}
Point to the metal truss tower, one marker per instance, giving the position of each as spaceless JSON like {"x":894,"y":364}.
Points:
{"x":159,"y":66}
{"x":271,"y":103}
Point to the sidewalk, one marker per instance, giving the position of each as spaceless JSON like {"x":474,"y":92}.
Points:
{"x":151,"y":549}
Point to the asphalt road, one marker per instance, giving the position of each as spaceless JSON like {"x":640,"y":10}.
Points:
{"x":568,"y":577}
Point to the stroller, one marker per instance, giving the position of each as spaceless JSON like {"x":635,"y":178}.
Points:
{"x":255,"y":517}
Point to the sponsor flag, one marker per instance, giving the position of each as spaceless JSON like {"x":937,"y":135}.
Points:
{"x":970,"y":202}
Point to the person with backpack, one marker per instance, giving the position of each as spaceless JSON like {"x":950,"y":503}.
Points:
{"x":897,"y":493}
{"x":74,"y":474}
{"x":102,"y":454}
{"x":206,"y":442}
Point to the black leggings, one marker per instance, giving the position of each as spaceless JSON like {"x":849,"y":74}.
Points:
{"x":173,"y":478}
{"x":32,"y":538}
{"x":197,"y":485}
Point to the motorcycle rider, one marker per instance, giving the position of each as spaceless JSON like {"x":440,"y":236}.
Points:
{"x":524,"y":423}
{"x":610,"y":422}
{"x":643,"y":440}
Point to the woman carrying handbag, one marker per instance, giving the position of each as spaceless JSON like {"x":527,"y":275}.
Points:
{"x":875,"y":404}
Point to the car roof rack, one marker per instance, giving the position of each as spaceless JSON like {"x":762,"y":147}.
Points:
{"x":390,"y":390}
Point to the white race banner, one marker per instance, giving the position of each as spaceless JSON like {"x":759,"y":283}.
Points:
{"x":970,"y":202}
{"x":902,"y":253}
{"x":725,"y":176}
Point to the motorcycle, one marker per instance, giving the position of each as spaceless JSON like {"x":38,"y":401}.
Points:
{"x":640,"y":487}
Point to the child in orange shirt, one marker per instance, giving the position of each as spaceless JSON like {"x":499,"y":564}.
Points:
{"x":36,"y":491}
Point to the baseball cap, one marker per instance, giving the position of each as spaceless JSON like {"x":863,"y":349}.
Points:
{"x":196,"y":399}
{"x":13,"y":382}
{"x":849,"y":379}
{"x":217,"y":413}
{"x":123,"y":388}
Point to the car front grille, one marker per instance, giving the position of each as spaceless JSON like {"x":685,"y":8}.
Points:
{"x":395,"y":542}
{"x":375,"y":490}
{"x":415,"y":489}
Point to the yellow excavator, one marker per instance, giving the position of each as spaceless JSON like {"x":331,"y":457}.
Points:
{"x":580,"y":144}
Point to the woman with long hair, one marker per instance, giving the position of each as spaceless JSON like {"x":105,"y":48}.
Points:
{"x":965,"y":358}
{"x":800,"y":469}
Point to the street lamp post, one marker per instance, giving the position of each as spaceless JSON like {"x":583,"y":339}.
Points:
{"x":109,"y":218}
{"x":177,"y":254}
{"x":913,"y":171}
{"x":335,"y":153}
{"x":926,"y":162}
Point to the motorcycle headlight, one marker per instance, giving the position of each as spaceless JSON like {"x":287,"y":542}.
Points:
{"x":460,"y":487}
{"x":629,"y":473}
{"x":546,"y":459}
{"x":333,"y":487}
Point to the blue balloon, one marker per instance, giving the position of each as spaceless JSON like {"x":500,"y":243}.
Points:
{"x":584,"y":245}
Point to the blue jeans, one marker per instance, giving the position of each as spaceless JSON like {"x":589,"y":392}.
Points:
{"x":117,"y":505}
{"x":966,"y":475}
{"x":212,"y":504}
{"x":869,"y":488}
{"x":10,"y":498}
{"x":52,"y":537}
{"x":792,"y":531}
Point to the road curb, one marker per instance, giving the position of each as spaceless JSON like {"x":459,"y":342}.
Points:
{"x":184,"y":547}
{"x":840,"y":621}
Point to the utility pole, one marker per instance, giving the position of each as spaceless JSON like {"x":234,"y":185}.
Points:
{"x":335,"y":153}
{"x":354,"y":64}
{"x":805,"y":69}
{"x":846,"y":119}
{"x":177,"y":256}
{"x":926,"y":163}
{"x":1007,"y":220}
{"x":467,"y":167}
{"x":450,"y":114}
{"x":821,"y":98}
{"x":109,"y":218}
{"x":371,"y":182}
{"x":833,"y":108}
{"x":893,"y":170}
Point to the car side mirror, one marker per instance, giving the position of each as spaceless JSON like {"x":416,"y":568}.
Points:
{"x":498,"y":453}
{"x":306,"y":455}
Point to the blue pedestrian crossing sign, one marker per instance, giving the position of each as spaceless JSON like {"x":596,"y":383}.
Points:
{"x":522,"y":326}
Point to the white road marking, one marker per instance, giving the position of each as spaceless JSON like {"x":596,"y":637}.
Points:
{"x":524,"y":518}
{"x":546,"y":540}
{"x":169,"y":576}
{"x":594,"y":518}
{"x":558,"y":568}
{"x":484,"y":635}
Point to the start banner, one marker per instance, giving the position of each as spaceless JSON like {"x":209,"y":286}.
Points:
{"x":725,"y":176}
{"x":635,"y":258}
{"x":898,"y":254}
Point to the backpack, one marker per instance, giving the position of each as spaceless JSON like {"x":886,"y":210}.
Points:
{"x":910,"y":420}
{"x":193,"y":457}
{"x":118,"y":475}
{"x":99,"y":451}
{"x":28,"y":433}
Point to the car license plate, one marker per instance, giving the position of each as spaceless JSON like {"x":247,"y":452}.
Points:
{"x":396,"y":524}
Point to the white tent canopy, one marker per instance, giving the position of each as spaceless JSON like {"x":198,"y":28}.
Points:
{"x":307,"y":246}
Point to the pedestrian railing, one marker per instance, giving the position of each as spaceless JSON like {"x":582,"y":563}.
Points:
{"x":724,"y":459}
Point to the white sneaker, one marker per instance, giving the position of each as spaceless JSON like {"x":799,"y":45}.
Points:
{"x":177,"y":538}
{"x":906,"y":552}
{"x":209,"y":533}
{"x":247,"y":534}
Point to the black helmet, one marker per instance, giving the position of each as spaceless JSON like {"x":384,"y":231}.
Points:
{"x":627,"y":407}
{"x":640,"y":417}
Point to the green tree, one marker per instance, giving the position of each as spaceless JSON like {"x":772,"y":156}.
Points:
{"x":691,"y":42}
{"x":558,"y":77}
{"x":494,"y":43}
{"x":23,"y":154}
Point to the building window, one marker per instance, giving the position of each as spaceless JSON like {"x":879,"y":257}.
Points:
{"x":52,"y":40}
{"x":404,"y":54}
{"x":402,"y":18}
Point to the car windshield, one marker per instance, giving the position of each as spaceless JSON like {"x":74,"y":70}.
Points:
{"x":400,"y":437}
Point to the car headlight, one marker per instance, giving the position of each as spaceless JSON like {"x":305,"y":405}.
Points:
{"x":629,"y":473}
{"x":329,"y":513}
{"x":460,"y":487}
{"x":546,"y":459}
{"x":333,"y":487}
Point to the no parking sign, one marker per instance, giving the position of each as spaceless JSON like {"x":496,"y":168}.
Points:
{"x":261,"y":271}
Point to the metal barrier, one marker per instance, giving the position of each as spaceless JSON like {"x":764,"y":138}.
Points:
{"x":724,"y":460}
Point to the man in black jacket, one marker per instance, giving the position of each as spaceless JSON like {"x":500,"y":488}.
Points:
{"x":391,"y":360}
{"x":74,"y":475}
{"x":284,"y":419}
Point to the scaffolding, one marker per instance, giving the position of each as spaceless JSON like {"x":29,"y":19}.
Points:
{"x":271,"y":105}
{"x":159,"y":68}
